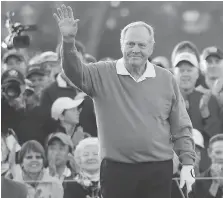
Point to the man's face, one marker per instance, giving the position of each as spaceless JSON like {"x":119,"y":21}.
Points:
{"x":213,"y":61}
{"x":38,"y":81}
{"x":72,"y":115}
{"x":90,"y":159}
{"x":212,"y":75}
{"x":137,"y":46}
{"x":54,"y":68}
{"x":58,"y":149}
{"x":216,"y":152}
{"x":16,"y":62}
{"x":186,"y":75}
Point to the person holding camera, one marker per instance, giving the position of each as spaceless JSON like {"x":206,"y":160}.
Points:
{"x":14,"y":59}
{"x":13,"y":104}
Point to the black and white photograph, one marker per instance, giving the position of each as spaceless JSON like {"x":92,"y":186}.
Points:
{"x":111,"y":99}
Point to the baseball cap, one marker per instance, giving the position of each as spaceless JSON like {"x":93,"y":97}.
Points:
{"x":215,"y":51}
{"x":186,"y":56}
{"x":62,"y":104}
{"x":35,"y":69}
{"x":12,"y":75}
{"x":198,"y":138}
{"x":62,"y":137}
{"x":185,"y":46}
{"x":48,"y":56}
{"x":12,"y":53}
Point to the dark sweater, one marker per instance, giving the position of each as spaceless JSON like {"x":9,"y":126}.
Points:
{"x":136,"y":121}
{"x":74,"y":189}
{"x":12,"y":189}
{"x":209,"y":126}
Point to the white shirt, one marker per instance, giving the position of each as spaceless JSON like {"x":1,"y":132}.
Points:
{"x":149,"y":73}
{"x":66,"y":173}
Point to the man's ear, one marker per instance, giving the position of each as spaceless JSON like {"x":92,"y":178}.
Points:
{"x":197,"y":74}
{"x":61,"y":117}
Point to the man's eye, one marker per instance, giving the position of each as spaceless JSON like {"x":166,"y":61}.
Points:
{"x":131,"y":44}
{"x":142,"y":45}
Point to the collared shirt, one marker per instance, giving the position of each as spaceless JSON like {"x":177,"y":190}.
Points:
{"x":66,"y":173}
{"x":149,"y":73}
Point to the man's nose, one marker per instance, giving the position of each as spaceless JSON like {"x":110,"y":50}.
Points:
{"x":136,"y":49}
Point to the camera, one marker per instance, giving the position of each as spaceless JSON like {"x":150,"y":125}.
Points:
{"x":15,"y":39}
{"x":12,"y":80}
{"x":12,"y":89}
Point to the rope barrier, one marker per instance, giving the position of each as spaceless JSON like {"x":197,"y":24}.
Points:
{"x":176,"y":179}
{"x":202,"y":178}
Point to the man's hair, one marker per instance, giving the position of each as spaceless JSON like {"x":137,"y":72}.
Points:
{"x":218,"y":137}
{"x":137,"y":24}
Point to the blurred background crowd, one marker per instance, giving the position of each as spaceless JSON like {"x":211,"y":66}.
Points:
{"x":48,"y":126}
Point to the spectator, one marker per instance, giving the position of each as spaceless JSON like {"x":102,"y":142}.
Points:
{"x":13,"y":59}
{"x":185,"y":46}
{"x":202,"y":109}
{"x":59,"y":149}
{"x":211,"y":64}
{"x":50,"y":62}
{"x":31,"y":171}
{"x":26,"y":121}
{"x":67,"y":112}
{"x":125,"y":119}
{"x":188,"y":46}
{"x":62,"y":87}
{"x":212,"y":188}
{"x":13,"y":103}
{"x":37,"y":75}
{"x":86,"y":183}
{"x":217,"y":91}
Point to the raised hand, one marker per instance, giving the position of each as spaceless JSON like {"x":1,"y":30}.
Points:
{"x":52,"y":163}
{"x":67,"y":23}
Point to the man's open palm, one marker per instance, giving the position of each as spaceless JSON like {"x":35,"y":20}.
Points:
{"x":67,"y":24}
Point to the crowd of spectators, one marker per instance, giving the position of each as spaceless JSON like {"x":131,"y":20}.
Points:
{"x":49,"y":132}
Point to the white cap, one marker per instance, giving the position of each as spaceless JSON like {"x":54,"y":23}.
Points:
{"x":186,"y":56}
{"x":198,"y":138}
{"x":62,"y":104}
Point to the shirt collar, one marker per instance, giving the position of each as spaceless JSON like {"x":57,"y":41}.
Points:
{"x":66,"y":173}
{"x":149,"y":73}
{"x":60,"y":81}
